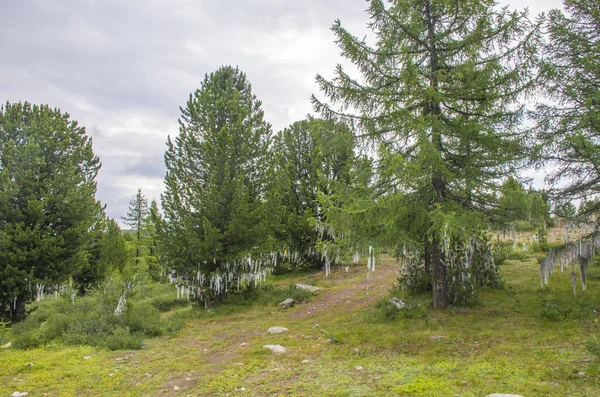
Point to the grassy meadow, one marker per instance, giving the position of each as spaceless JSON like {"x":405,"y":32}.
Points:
{"x":345,"y":341}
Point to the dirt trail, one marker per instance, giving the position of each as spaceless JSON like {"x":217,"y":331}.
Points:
{"x":355,"y":293}
{"x":347,"y":291}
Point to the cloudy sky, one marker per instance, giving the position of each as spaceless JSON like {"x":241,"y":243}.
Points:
{"x":122,"y":68}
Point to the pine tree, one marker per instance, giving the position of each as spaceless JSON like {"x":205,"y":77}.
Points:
{"x":136,"y":219}
{"x":106,"y":251}
{"x":438,"y":94}
{"x":47,"y":200}
{"x":215,"y":180}
{"x":569,"y":127}
{"x":310,"y":156}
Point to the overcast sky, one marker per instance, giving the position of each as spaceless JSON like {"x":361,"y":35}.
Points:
{"x":122,"y":68}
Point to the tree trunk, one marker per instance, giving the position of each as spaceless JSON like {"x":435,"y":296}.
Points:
{"x":441,"y":298}
{"x":17,"y":309}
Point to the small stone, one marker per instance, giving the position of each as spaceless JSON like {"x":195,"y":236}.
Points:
{"x":316,"y":325}
{"x":188,"y":378}
{"x":308,"y":287}
{"x":19,"y":394}
{"x":243,"y":344}
{"x":275,"y":349}
{"x":176,"y":388}
{"x":111,"y":374}
{"x":356,"y":350}
{"x":289,"y":302}
{"x":242,"y":388}
{"x":436,"y":337}
{"x":87,"y":357}
{"x":581,"y":373}
{"x":305,"y":361}
{"x":148,"y":375}
{"x":118,"y":358}
{"x":359,"y":368}
{"x":277,"y":330}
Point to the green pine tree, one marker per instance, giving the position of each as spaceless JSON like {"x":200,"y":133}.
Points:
{"x":310,"y":156}
{"x":47,"y":200}
{"x":136,"y":219}
{"x":216,"y":177}
{"x":438,"y":94}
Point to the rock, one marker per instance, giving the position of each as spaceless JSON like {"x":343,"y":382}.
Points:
{"x":503,"y":395}
{"x":289,"y":302}
{"x":19,"y":394}
{"x":398,"y":303}
{"x":277,"y":330}
{"x":305,"y":361}
{"x":243,"y":344}
{"x":308,"y":287}
{"x":359,"y":368}
{"x":275,"y":349}
{"x":176,"y":388}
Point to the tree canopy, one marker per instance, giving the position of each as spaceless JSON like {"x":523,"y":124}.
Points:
{"x":47,"y":200}
{"x":216,"y":177}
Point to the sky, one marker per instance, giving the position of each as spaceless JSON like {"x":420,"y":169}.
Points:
{"x":122,"y":68}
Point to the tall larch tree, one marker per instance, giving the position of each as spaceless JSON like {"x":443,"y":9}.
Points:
{"x":136,"y":218}
{"x":569,"y":124}
{"x":215,"y":180}
{"x":438,"y":93}
{"x":47,"y":200}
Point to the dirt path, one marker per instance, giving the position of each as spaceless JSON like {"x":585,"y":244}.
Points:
{"x":354,"y":294}
{"x":218,"y":349}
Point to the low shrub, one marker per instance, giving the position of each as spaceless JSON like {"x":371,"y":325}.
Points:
{"x":91,"y":320}
{"x":385,"y":311}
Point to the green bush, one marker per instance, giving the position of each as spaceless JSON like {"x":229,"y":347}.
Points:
{"x":91,"y":320}
{"x":388,"y":312}
{"x":4,"y":331}
{"x":122,"y":338}
{"x":517,"y":254}
{"x":523,"y":226}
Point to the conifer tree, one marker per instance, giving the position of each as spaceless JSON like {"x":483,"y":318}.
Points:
{"x":136,"y":218}
{"x":569,"y":127}
{"x":216,"y":177}
{"x":438,"y":94}
{"x":47,"y":200}
{"x":310,"y":156}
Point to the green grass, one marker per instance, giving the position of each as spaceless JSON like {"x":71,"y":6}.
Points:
{"x":520,"y":339}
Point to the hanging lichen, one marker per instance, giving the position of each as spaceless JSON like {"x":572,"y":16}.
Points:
{"x":579,"y":253}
